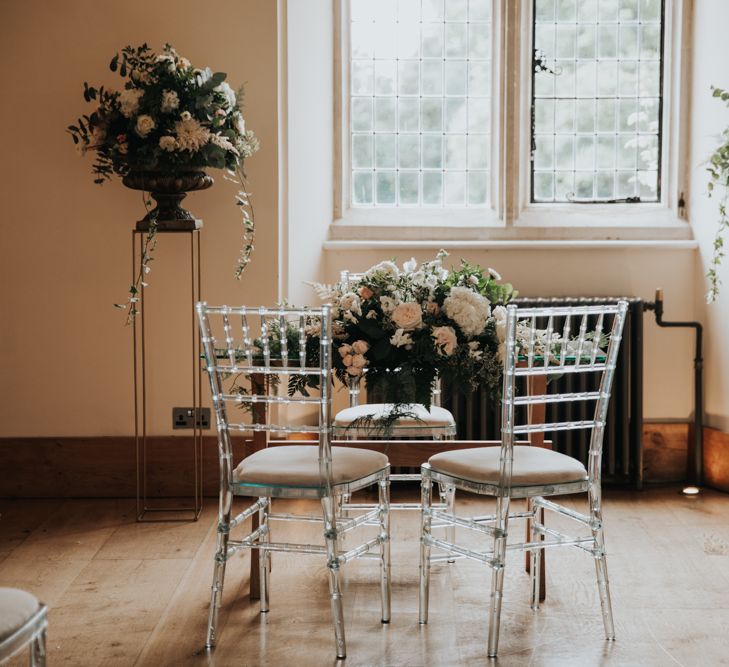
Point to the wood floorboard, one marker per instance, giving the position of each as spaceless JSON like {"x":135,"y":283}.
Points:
{"x":123,"y":593}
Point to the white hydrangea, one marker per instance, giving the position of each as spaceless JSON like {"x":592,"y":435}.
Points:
{"x":468,"y":309}
{"x":129,"y":101}
{"x":410,"y":266}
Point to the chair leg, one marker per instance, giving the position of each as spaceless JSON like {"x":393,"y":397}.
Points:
{"x":450,"y":499}
{"x":264,"y":556}
{"x":385,"y":582}
{"x":603,"y":584}
{"x":221,"y":556}
{"x":38,"y":650}
{"x":535,"y":560}
{"x":497,"y":576}
{"x":330,"y":536}
{"x":426,"y":488}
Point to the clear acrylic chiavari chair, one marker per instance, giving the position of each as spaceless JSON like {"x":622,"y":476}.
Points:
{"x":23,"y":625}
{"x":534,"y":346}
{"x":282,"y":349}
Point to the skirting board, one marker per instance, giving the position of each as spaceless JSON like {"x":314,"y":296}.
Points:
{"x":105,"y":467}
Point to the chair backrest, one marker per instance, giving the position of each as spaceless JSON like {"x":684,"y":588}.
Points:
{"x":555,"y":341}
{"x":258,"y":358}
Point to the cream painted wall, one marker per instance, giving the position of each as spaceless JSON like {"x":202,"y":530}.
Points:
{"x":709,"y":118}
{"x":65,"y":247}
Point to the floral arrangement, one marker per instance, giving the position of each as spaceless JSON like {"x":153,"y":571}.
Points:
{"x":423,"y":321}
{"x":170,"y":117}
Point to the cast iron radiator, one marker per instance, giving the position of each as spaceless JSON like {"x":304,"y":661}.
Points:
{"x":478,"y":417}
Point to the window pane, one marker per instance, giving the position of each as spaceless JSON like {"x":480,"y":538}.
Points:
{"x":596,"y":100}
{"x":420,"y":101}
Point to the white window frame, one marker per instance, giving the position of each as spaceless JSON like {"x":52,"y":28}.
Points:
{"x":511,"y":216}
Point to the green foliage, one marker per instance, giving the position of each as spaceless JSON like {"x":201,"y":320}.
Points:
{"x":719,"y":178}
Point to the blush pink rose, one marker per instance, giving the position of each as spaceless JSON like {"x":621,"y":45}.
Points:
{"x":365,"y":292}
{"x":408,"y":316}
{"x":445,"y":340}
{"x":360,"y":346}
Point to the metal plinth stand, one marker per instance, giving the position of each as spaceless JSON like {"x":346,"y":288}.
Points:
{"x":147,"y":511}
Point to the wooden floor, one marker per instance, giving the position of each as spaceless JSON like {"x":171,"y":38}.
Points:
{"x":124,"y":593}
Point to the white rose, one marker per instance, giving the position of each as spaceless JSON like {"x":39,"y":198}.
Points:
{"x":445,"y":340}
{"x":168,"y":143}
{"x":145,"y":124}
{"x":389,"y":268}
{"x":408,"y":316}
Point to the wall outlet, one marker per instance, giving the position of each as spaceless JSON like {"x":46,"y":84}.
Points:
{"x":185,"y":418}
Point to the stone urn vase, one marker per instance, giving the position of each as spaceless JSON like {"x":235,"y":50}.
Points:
{"x":168,"y":190}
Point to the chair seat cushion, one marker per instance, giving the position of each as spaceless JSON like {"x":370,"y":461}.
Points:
{"x":419,"y":417}
{"x":533,"y":466}
{"x":298,"y":466}
{"x":16,"y":608}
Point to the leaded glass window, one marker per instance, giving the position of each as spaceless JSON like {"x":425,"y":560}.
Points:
{"x":420,"y":103}
{"x":596,"y":100}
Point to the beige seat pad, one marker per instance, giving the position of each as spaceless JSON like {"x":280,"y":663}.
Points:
{"x":16,"y":608}
{"x":298,"y":465}
{"x":435,"y":417}
{"x":532,"y":465}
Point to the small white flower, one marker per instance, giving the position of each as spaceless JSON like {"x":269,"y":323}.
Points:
{"x":145,"y":124}
{"x":494,"y":274}
{"x":168,"y":60}
{"x":473,"y":280}
{"x":170,"y":101}
{"x":410,"y":266}
{"x":350,"y":302}
{"x":240,"y":124}
{"x":185,"y":115}
{"x":388,"y":304}
{"x":401,"y":339}
{"x":371,"y":315}
{"x":473,"y":350}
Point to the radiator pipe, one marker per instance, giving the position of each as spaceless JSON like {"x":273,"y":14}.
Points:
{"x":695,"y":463}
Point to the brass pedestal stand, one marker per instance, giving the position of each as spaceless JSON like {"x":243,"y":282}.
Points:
{"x":156,"y":511}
